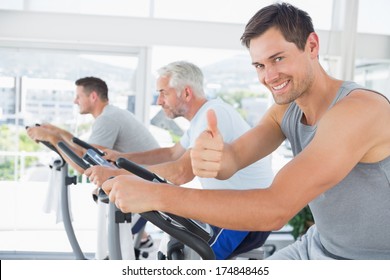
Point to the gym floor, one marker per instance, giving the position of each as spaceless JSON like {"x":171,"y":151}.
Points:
{"x":52,"y":244}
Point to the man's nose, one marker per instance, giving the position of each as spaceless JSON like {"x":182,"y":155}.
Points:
{"x":270,"y":74}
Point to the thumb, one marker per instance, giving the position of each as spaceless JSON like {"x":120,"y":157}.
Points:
{"x":212,"y":123}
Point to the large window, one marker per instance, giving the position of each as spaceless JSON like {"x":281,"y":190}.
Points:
{"x":139,"y":8}
{"x":374,"y":75}
{"x":229,"y":11}
{"x":36,"y":86}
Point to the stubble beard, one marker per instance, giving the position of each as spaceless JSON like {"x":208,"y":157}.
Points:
{"x":296,"y":90}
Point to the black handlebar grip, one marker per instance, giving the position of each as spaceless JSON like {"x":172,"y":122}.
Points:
{"x":102,"y":196}
{"x":73,"y":156}
{"x":87,"y":146}
{"x":138,"y":170}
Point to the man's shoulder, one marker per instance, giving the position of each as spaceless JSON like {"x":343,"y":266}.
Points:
{"x":112,"y":108}
{"x":112,"y":111}
{"x":364,"y":98}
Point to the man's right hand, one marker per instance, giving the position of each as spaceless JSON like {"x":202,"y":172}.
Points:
{"x":41,"y":133}
{"x":99,"y":174}
{"x":206,"y":155}
{"x":111,"y":155}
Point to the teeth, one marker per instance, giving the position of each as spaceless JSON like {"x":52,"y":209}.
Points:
{"x":280,"y":86}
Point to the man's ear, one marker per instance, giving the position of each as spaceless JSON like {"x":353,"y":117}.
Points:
{"x":313,"y":44}
{"x":188,"y":92}
{"x":94,"y":96}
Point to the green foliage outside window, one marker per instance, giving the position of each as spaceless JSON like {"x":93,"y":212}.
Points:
{"x":7,"y":143}
{"x":235,"y":99}
{"x":301,"y":222}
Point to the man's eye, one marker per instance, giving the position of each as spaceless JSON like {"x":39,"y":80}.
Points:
{"x":278,"y":59}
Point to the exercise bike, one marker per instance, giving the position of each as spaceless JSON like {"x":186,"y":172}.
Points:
{"x":174,"y":246}
{"x":60,"y":165}
{"x":188,"y":232}
{"x":190,"y":235}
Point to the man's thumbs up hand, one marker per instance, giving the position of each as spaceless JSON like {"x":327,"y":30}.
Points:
{"x":206,"y":155}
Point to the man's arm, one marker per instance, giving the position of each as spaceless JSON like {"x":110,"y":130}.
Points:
{"x":177,"y":171}
{"x":150,"y":157}
{"x":54,"y":135}
{"x":64,"y":134}
{"x":349,"y":133}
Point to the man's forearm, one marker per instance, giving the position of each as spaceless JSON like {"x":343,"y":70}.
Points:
{"x":65,"y":135}
{"x":177,"y":172}
{"x":58,"y":134}
{"x":151,"y":157}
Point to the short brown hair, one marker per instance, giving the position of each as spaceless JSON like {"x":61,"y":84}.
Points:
{"x":94,"y":84}
{"x":295,"y":24}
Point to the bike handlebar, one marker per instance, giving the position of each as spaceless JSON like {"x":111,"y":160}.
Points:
{"x":184,"y":230}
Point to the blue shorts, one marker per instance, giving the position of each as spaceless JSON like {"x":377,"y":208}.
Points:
{"x":228,"y":243}
{"x":138,"y":223}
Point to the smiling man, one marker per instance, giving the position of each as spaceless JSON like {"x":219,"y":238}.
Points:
{"x":339,"y":135}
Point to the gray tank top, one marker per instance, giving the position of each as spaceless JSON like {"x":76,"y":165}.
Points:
{"x":353,"y":217}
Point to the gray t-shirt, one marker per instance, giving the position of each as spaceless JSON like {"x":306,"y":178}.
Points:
{"x":353,"y":217}
{"x":119,"y":130}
